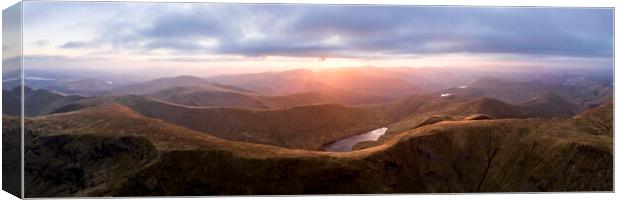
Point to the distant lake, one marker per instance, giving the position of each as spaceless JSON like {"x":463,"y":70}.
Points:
{"x":348,"y":143}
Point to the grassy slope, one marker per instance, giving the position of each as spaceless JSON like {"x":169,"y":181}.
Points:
{"x":455,"y":156}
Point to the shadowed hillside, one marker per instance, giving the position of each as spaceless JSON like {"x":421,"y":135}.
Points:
{"x":37,"y":102}
{"x":548,"y":105}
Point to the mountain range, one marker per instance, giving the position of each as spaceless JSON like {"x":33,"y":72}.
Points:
{"x":186,"y":135}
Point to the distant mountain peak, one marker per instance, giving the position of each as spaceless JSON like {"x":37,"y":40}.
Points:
{"x":180,"y":77}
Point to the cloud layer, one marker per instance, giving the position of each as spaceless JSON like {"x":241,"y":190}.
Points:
{"x":353,"y":31}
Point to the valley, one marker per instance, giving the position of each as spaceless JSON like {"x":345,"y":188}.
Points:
{"x":490,"y":135}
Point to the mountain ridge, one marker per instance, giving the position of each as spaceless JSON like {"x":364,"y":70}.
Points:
{"x":435,"y":158}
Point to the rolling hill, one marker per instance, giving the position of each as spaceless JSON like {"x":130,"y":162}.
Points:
{"x":339,"y":83}
{"x":488,"y":106}
{"x":545,"y":105}
{"x":583,"y":94}
{"x":414,"y":111}
{"x":157,"y":85}
{"x":205,"y":97}
{"x":208,"y":97}
{"x":306,"y":127}
{"x":81,"y":86}
{"x":548,"y":105}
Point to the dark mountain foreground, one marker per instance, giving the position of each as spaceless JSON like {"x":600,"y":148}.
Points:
{"x":112,"y":150}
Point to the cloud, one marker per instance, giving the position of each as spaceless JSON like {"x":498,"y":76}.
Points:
{"x":78,"y":44}
{"x":41,"y":43}
{"x":356,"y":31}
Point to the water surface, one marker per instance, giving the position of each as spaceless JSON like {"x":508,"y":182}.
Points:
{"x":348,"y":143}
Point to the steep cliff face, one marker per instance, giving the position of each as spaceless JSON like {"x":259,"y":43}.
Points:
{"x":137,"y":155}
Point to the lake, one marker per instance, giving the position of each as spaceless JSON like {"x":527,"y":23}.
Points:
{"x":348,"y":143}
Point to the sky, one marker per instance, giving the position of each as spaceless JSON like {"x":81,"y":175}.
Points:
{"x":210,"y":39}
{"x":11,"y":45}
